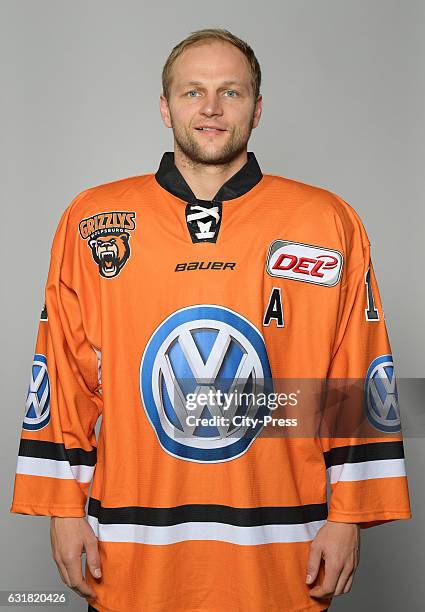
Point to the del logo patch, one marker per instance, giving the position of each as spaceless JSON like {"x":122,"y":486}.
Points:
{"x":196,"y":350}
{"x":304,"y":262}
{"x":108,"y":237}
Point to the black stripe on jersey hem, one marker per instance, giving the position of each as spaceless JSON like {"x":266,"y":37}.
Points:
{"x":42,"y":449}
{"x":358,"y":453}
{"x":206,"y":513}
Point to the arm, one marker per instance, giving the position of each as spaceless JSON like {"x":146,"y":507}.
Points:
{"x":361,"y":436}
{"x":57,"y":450}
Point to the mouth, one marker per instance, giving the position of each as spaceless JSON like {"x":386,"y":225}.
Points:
{"x":211,"y":131}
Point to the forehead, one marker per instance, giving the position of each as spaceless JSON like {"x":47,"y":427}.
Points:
{"x":216,"y":61}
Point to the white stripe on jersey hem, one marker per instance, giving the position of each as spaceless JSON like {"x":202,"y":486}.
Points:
{"x":366,"y":470}
{"x":262,"y":534}
{"x":35,"y":466}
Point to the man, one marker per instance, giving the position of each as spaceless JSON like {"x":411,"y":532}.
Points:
{"x":174,"y":283}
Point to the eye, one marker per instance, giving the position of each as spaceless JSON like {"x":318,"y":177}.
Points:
{"x":232,"y":91}
{"x":191,"y":91}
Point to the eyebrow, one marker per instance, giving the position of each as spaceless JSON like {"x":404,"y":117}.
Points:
{"x":224,"y":83}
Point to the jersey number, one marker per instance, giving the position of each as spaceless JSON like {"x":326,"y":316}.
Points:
{"x":371,"y":311}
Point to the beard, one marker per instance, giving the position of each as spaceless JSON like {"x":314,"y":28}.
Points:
{"x":195,"y":153}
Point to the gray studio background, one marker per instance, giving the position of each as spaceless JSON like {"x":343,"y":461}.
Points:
{"x":343,"y":89}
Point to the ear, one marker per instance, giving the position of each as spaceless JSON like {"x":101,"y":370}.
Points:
{"x":124,"y":236}
{"x":92,"y":242}
{"x":257,"y":111}
{"x":164,"y":110}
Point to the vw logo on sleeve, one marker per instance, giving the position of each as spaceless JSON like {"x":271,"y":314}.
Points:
{"x":197,"y":349}
{"x":381,"y":398}
{"x":37,"y":406}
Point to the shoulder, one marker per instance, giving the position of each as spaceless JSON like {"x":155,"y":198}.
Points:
{"x":114,"y":194}
{"x":99,"y":207}
{"x":317,"y":204}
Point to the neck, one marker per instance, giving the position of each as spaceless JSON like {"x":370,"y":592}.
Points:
{"x":206,"y":179}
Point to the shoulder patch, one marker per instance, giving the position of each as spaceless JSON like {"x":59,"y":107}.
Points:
{"x":308,"y":263}
{"x":108,"y":236}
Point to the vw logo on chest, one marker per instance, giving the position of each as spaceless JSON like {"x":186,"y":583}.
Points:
{"x":199,"y":349}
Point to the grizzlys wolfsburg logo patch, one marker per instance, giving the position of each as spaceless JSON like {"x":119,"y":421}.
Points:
{"x":108,"y":237}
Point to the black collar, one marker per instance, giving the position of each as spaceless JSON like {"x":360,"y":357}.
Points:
{"x":171,"y":179}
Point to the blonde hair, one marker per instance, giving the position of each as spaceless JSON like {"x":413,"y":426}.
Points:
{"x":200,"y":36}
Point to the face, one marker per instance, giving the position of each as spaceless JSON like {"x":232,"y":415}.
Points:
{"x":211,"y":87}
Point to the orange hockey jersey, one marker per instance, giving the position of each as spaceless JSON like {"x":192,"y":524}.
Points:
{"x":154,"y":302}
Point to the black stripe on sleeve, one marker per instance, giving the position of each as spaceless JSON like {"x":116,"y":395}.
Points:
{"x":241,"y":517}
{"x":357,"y":453}
{"x":57,"y":451}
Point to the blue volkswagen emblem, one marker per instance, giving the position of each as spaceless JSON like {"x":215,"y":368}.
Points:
{"x":195,"y":350}
{"x":381,"y":398}
{"x":37,"y":406}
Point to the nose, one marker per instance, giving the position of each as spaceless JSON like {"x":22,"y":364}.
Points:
{"x":211,"y":105}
